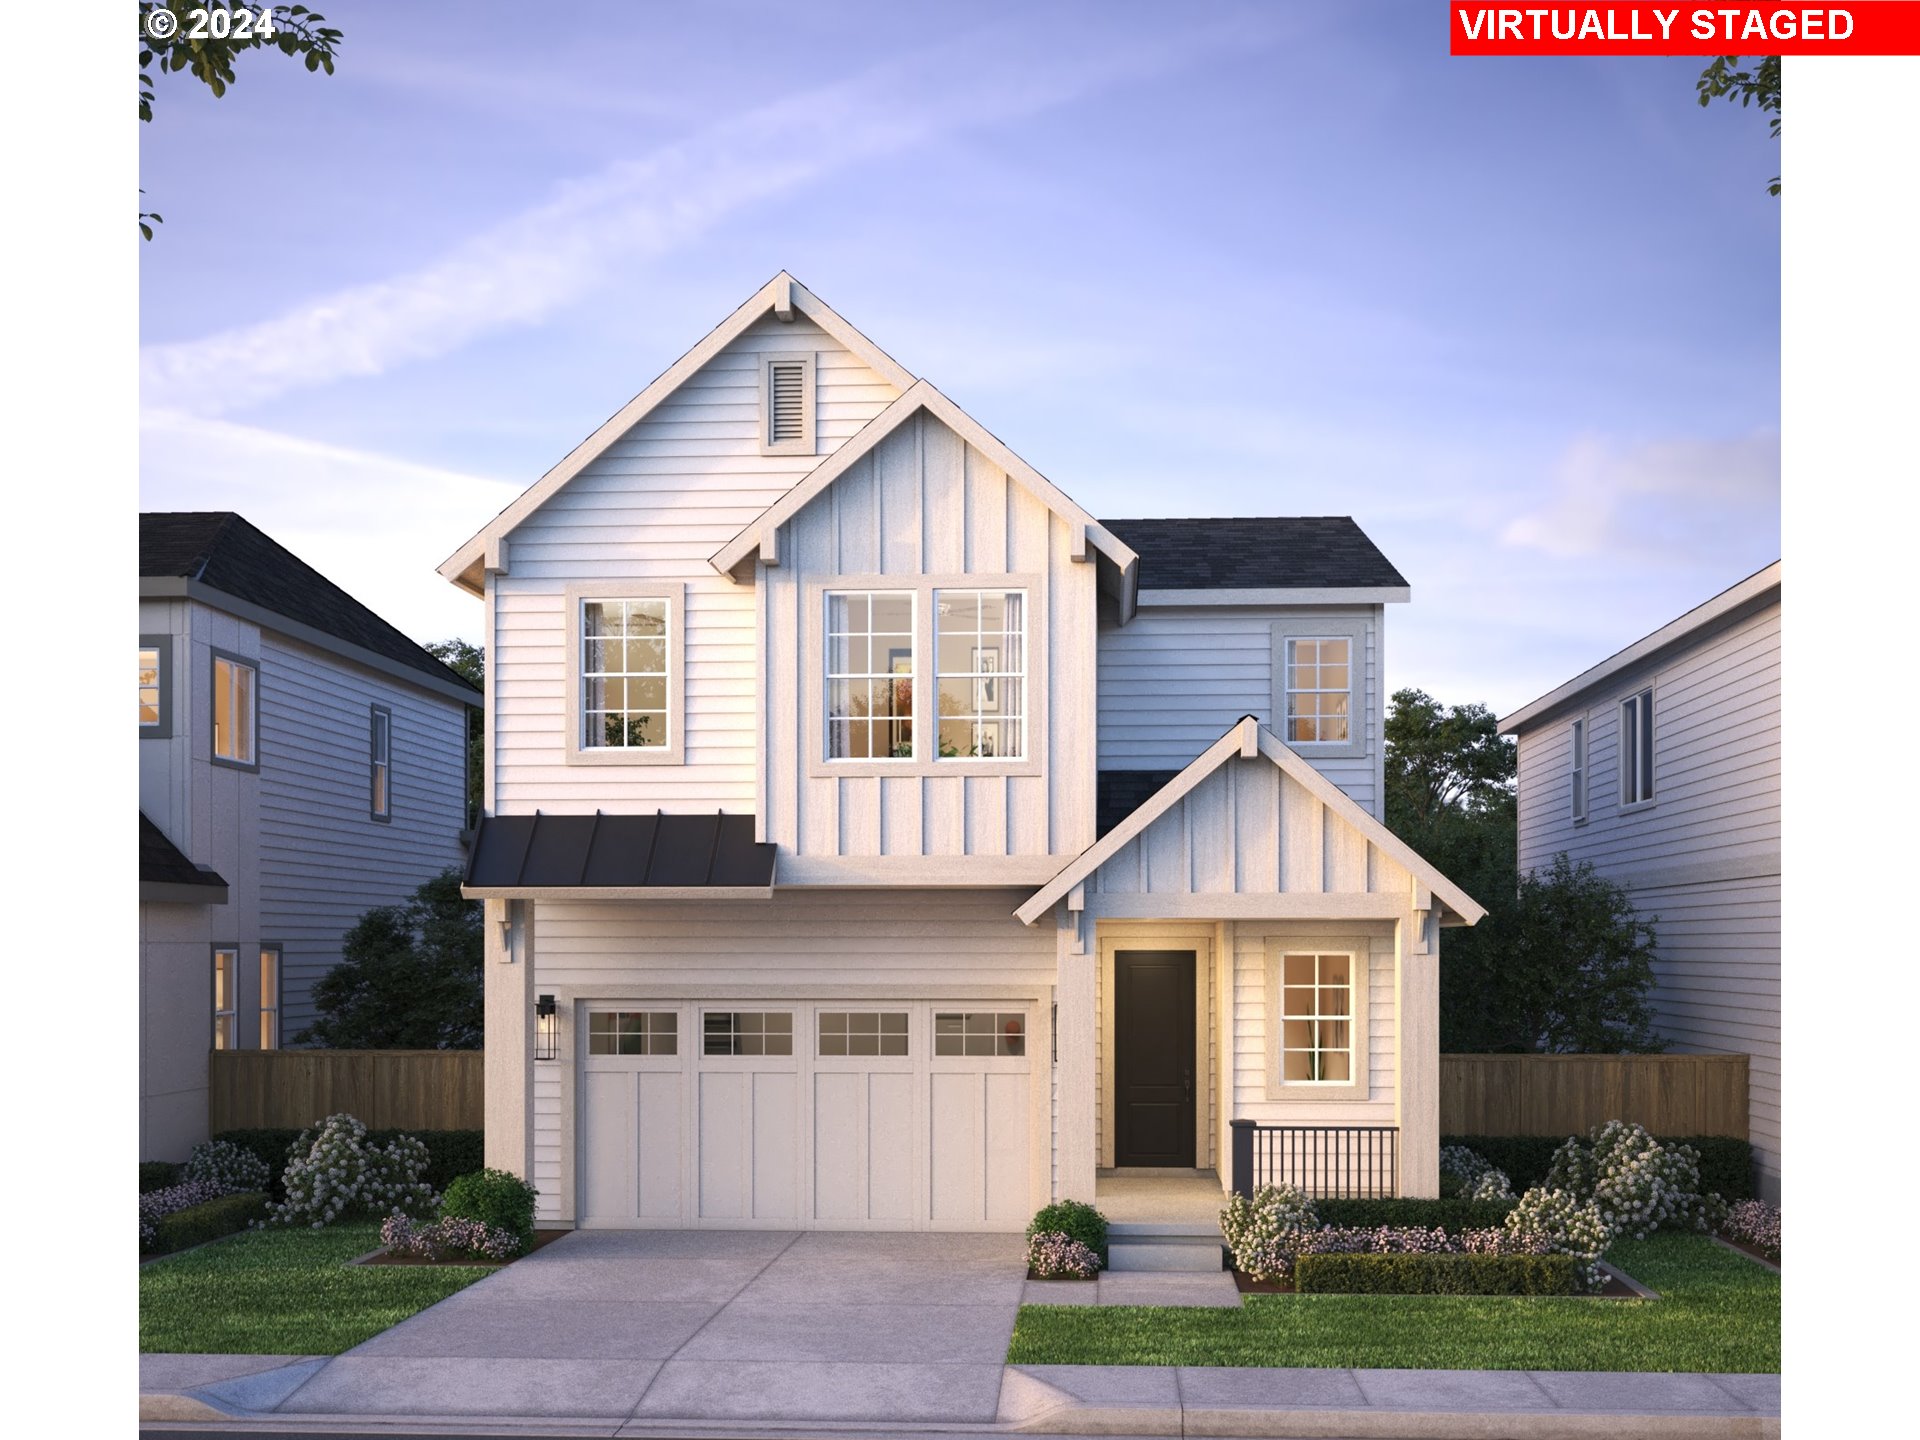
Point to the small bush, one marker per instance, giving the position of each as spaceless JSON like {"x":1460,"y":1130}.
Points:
{"x":1263,"y":1232}
{"x":450,"y":1239}
{"x":1755,"y":1223}
{"x":234,"y":1169}
{"x":1074,"y":1219}
{"x":495,"y":1198}
{"x":158,"y":1175}
{"x":1450,"y":1215}
{"x":156,"y":1205}
{"x":209,"y":1220}
{"x":1436,"y":1274}
{"x":1051,"y":1254}
{"x":335,"y":1173}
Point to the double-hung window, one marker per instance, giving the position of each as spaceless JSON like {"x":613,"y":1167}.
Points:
{"x":156,"y":685}
{"x":1578,"y":776}
{"x":624,"y":673}
{"x":269,"y":997}
{"x":870,"y":674}
{"x":226,"y":983}
{"x":980,"y":666}
{"x":1316,"y":997}
{"x":1636,"y":748}
{"x":235,"y":710}
{"x":1319,"y":690}
{"x":380,"y":763}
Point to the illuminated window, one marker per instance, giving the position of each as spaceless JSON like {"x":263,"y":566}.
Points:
{"x":980,"y":665}
{"x":1319,"y":701}
{"x":870,"y":665}
{"x":226,"y":974}
{"x":1316,"y":1019}
{"x":269,"y":997}
{"x":235,"y":683}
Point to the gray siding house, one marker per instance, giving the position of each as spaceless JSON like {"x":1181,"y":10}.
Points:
{"x":300,"y":761}
{"x":1661,"y":766}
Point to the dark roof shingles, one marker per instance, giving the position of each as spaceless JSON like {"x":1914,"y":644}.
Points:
{"x":1264,"y":552}
{"x":1118,"y":793}
{"x":163,"y":862}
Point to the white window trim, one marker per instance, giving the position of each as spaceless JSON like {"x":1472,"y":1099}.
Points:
{"x":925,"y":760}
{"x":1359,"y":711}
{"x":376,"y":762}
{"x":1640,"y":693}
{"x":162,"y":646}
{"x":805,"y":445}
{"x":279,"y":953}
{"x":675,"y":594}
{"x":1579,"y":767}
{"x":1359,"y":947}
{"x":253,"y":704}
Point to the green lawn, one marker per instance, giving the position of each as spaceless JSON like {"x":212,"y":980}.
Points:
{"x":284,"y":1292}
{"x":1718,"y":1311}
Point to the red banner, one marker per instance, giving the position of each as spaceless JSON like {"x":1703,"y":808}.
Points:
{"x":1874,"y":27}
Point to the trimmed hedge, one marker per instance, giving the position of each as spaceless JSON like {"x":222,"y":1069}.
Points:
{"x":199,"y":1223}
{"x":1074,"y":1219}
{"x":450,"y":1153}
{"x":1435,"y":1275}
{"x":492,"y":1197}
{"x":158,"y":1175}
{"x":1451,"y":1215}
{"x":1726,"y":1164}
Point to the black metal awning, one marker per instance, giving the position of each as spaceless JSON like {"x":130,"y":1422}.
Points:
{"x":669,"y":854}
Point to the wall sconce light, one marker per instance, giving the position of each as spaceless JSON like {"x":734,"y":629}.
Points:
{"x":546,"y":1035}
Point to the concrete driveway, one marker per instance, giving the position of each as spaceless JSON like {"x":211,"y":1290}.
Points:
{"x":703,"y":1325}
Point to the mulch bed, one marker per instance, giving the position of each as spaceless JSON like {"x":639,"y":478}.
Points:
{"x":540,"y":1238}
{"x":1614,"y":1289}
{"x":1745,"y":1249}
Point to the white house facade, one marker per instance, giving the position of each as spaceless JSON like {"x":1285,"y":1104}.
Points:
{"x":301,"y":761}
{"x":1661,"y":766}
{"x":876,"y":839}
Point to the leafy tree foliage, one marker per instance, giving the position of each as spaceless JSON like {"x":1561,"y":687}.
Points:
{"x":469,"y":662}
{"x":1759,"y":86}
{"x":411,"y":977}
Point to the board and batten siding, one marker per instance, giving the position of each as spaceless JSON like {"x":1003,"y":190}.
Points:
{"x":1703,"y":860}
{"x":924,"y":503}
{"x":661,"y":500}
{"x":1174,"y":679}
{"x":799,"y":945}
{"x":322,"y":859}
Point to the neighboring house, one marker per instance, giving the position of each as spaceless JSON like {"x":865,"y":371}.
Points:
{"x":876,"y":839}
{"x":300,"y":761}
{"x":1661,"y":766}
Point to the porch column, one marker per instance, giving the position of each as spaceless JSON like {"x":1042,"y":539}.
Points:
{"x":509,"y":1036}
{"x":1417,"y":1021}
{"x":1075,"y":958}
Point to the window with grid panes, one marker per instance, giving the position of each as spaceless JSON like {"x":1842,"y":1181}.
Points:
{"x":747,"y":1032}
{"x":1319,"y":690}
{"x":623,"y":674}
{"x":856,"y":1032}
{"x":870,"y":671}
{"x":980,"y":1032}
{"x":1316,"y":1018}
{"x":980,"y":668}
{"x":633,"y":1032}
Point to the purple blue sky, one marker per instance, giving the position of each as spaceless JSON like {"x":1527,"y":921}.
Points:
{"x":1520,"y":318}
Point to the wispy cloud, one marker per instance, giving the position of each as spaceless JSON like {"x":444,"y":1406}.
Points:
{"x":546,"y":257}
{"x":1671,"y":498}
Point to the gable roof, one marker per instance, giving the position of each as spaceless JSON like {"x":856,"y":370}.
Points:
{"x":760,"y":535}
{"x":1261,"y":552}
{"x":1752,"y":589}
{"x":219,"y":550}
{"x":1247,"y":739}
{"x":782,"y":296}
{"x":167,"y":874}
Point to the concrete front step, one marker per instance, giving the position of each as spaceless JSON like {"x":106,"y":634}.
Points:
{"x":1163,"y":1246}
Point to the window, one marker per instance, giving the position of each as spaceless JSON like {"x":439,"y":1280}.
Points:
{"x":870,"y":665}
{"x":786,"y":405}
{"x":380,"y":763}
{"x":1579,"y":772}
{"x":980,"y":1032}
{"x":1636,"y":748}
{"x":980,"y":666}
{"x":624,"y":673}
{"x":748,"y":1032}
{"x":1316,"y":1018}
{"x":226,"y":968}
{"x":155,"y":653}
{"x":848,"y":1032}
{"x":634,"y":1032}
{"x":235,"y":682}
{"x":269,"y":997}
{"x":1319,"y":690}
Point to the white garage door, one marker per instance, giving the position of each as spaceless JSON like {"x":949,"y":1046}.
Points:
{"x":837,"y":1115}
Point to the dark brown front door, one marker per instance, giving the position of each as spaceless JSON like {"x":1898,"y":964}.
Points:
{"x":1153,"y":1057}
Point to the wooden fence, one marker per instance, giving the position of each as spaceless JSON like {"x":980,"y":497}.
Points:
{"x":385,"y":1089}
{"x":1568,"y":1094}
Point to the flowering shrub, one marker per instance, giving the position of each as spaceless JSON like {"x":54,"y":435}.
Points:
{"x":1462,"y":1165}
{"x":1640,"y":1184}
{"x":233,"y":1169}
{"x":156,"y":1205}
{"x":334,"y":1172}
{"x":1074,"y":1219}
{"x":452,"y":1238}
{"x":1051,"y":1254}
{"x":1566,"y":1225}
{"x":497,"y":1198}
{"x":1755,"y":1223}
{"x":1492,"y":1185}
{"x":1262,"y":1232}
{"x":1497,"y":1241}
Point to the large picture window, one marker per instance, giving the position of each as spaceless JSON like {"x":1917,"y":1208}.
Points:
{"x":869,"y":674}
{"x":235,"y":707}
{"x":624,"y":670}
{"x":981,"y":669}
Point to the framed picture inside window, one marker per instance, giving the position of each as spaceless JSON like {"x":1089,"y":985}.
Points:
{"x":986,"y":664}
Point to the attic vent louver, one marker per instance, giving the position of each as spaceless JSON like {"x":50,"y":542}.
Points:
{"x":786,"y":405}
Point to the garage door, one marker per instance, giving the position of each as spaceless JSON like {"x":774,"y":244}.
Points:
{"x":840,"y":1115}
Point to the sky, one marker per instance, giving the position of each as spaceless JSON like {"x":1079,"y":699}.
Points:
{"x":1519,"y":318}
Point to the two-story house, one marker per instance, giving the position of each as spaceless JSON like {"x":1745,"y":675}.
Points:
{"x":806,"y":696}
{"x":1661,"y":766}
{"x":301,"y":761}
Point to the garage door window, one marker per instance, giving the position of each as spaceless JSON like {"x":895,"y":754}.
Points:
{"x":633,"y":1032}
{"x":854,"y":1033}
{"x":980,"y":1032}
{"x":749,"y":1032}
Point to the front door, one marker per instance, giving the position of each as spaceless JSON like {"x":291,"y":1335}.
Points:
{"x":1153,"y":1057}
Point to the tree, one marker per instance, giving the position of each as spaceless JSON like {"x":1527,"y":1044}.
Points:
{"x":173,"y":37}
{"x":1449,"y":789}
{"x":410,"y":977}
{"x":469,"y":662}
{"x":1759,"y":86}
